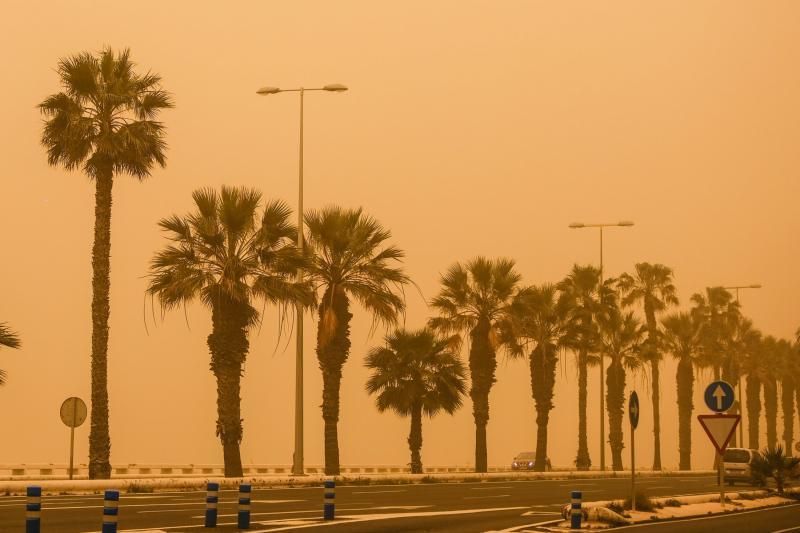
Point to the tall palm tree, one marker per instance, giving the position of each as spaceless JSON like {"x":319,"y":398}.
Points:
{"x":681,"y":339}
{"x":789,"y":363}
{"x":416,"y":373}
{"x":652,"y":286}
{"x":584,"y":297}
{"x":756,"y":373}
{"x":476,"y":298}
{"x":717,"y":313}
{"x":350,"y":261}
{"x":228,"y":256}
{"x":544,"y":325}
{"x":771,"y":363}
{"x":621,"y":339}
{"x":9,"y":339}
{"x":104,"y":121}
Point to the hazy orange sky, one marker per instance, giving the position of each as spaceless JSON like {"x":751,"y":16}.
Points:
{"x":470,"y":128}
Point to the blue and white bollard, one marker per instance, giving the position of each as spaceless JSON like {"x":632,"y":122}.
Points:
{"x":244,"y":506}
{"x":110,"y":511}
{"x":575,"y":512}
{"x":212,"y":498}
{"x":330,"y":498}
{"x":33,"y":510}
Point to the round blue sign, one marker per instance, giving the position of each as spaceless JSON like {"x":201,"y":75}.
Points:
{"x":719,"y":396}
{"x":633,"y":409}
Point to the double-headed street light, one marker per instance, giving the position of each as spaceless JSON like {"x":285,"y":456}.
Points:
{"x":297,"y":460}
{"x":579,"y":225}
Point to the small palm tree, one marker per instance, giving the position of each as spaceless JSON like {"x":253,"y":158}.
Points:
{"x":681,"y":339}
{"x":621,"y":339}
{"x":774,"y":463}
{"x":543,"y":325}
{"x":227,"y":257}
{"x":350,"y":261}
{"x":652,"y":286}
{"x":9,"y":339}
{"x":416,"y":373}
{"x":104,"y":121}
{"x":476,"y":298}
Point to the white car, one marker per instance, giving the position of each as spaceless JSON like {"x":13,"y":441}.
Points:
{"x":736,"y":465}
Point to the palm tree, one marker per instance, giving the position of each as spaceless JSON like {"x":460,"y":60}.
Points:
{"x":771,"y":361}
{"x":416,"y":373}
{"x":544,"y":325}
{"x":717,"y":313}
{"x":476,"y":298}
{"x":774,"y":463}
{"x":350,"y":260}
{"x":756,"y":374}
{"x":789,"y":365}
{"x":104,"y":121}
{"x":225,"y":256}
{"x":582,"y":295}
{"x":681,"y":339}
{"x":652,"y":285}
{"x":621,"y":338}
{"x":9,"y":339}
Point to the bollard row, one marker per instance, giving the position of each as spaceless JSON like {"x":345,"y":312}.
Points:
{"x":33,"y":507}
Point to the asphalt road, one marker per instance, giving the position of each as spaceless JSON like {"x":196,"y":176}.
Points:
{"x":777,"y":520}
{"x":440,"y":507}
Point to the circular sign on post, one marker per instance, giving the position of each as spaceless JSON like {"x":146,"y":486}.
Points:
{"x":633,"y":409}
{"x":73,"y":412}
{"x":719,"y":396}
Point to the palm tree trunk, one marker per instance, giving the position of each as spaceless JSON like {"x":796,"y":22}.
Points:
{"x":482,"y":364}
{"x":99,"y":437}
{"x":654,"y":356}
{"x":415,"y":438}
{"x":787,"y":402}
{"x":582,"y":461}
{"x":615,"y":399}
{"x":685,"y":383}
{"x":753,"y":393}
{"x":543,"y":369}
{"x":771,"y":412}
{"x":228,"y":345}
{"x":656,"y":414}
{"x":333,"y":347}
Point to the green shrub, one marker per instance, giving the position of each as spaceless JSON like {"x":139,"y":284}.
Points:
{"x":672,"y":502}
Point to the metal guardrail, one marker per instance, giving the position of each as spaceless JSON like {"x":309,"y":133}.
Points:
{"x":35,"y":470}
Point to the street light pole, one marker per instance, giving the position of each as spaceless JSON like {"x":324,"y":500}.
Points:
{"x":741,"y":409}
{"x":578,"y":225}
{"x":298,"y":468}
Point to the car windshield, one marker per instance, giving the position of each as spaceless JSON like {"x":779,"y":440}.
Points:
{"x":527,"y":456}
{"x":736,"y":456}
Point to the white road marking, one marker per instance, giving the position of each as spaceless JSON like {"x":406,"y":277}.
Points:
{"x":489,"y":488}
{"x":377,"y":491}
{"x":276,"y":501}
{"x":522,"y":528}
{"x":318,"y":511}
{"x":796,"y":528}
{"x":489,"y":496}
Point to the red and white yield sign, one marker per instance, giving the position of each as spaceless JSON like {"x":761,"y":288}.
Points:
{"x":719,"y":428}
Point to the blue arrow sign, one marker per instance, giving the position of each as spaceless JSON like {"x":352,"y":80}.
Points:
{"x":719,"y":396}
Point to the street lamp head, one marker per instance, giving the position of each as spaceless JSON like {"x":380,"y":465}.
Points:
{"x":268,"y":90}
{"x":575,"y":225}
{"x":335,"y":87}
{"x":625,"y":223}
{"x":755,"y":286}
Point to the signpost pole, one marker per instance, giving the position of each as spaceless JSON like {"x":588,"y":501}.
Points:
{"x":633,"y":470}
{"x":71,"y":450}
{"x":721,"y":480}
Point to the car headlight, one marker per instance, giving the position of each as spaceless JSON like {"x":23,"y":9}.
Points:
{"x":530,"y":464}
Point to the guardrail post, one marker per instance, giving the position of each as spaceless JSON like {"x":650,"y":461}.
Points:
{"x":575,"y":510}
{"x":33,"y":510}
{"x":212,"y":498}
{"x":244,"y":506}
{"x":110,"y":511}
{"x":328,"y":506}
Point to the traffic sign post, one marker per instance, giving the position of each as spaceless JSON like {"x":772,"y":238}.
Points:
{"x":720,"y":428}
{"x":73,"y":414}
{"x":633,"y":415}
